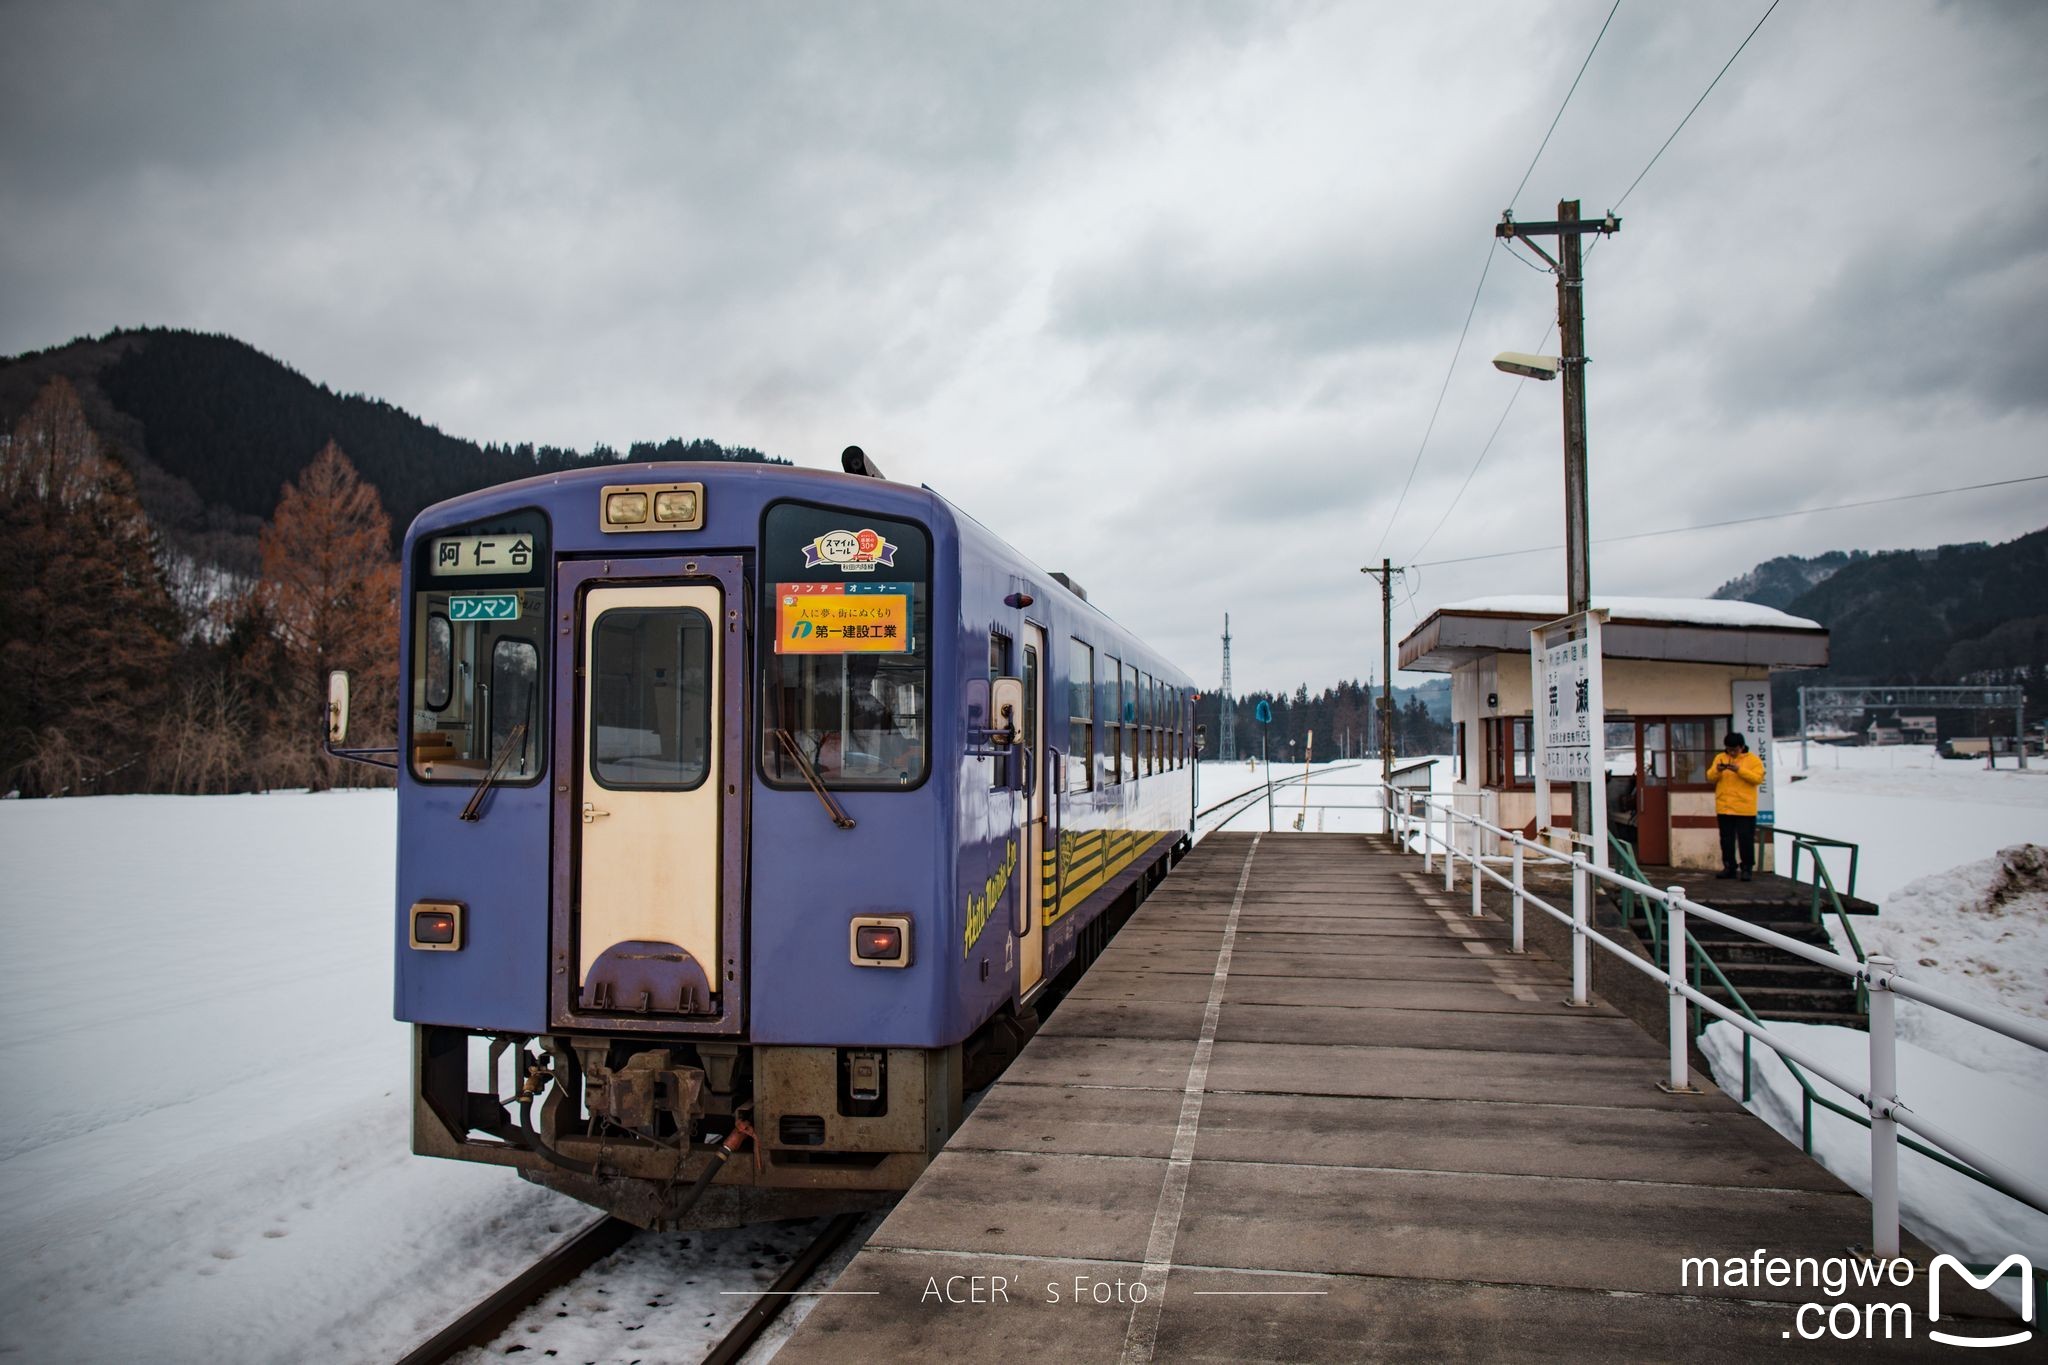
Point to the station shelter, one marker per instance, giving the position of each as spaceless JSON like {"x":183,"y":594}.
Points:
{"x":1679,"y":674}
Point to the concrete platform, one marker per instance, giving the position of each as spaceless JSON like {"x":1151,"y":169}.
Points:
{"x":1304,"y":1108}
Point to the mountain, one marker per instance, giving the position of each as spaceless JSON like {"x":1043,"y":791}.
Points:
{"x":212,"y":429}
{"x":1779,"y":582}
{"x":1956,"y":614}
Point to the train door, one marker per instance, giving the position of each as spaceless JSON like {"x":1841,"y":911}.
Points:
{"x":646,"y":909}
{"x":1031,"y":856}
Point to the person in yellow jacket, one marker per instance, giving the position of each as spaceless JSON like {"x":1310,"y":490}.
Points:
{"x":1736,"y":774}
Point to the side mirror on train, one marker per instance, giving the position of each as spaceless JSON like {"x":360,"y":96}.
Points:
{"x":1006,"y":709}
{"x":337,"y":706}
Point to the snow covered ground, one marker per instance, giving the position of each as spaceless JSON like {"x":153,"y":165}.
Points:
{"x":1914,"y":814}
{"x":205,"y":1155}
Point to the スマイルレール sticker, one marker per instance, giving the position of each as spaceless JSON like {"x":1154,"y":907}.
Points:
{"x":851,"y":551}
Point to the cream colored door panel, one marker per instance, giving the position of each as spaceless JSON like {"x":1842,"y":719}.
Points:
{"x":647,"y":883}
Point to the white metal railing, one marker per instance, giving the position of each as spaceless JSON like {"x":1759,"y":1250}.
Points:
{"x":1415,"y":815}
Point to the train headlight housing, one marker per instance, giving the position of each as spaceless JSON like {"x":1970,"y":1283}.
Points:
{"x":879,"y":941}
{"x":653,"y":507}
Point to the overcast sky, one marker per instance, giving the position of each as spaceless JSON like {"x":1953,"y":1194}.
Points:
{"x":1165,"y":293}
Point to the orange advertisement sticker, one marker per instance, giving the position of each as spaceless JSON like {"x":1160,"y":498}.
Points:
{"x":842,"y":618}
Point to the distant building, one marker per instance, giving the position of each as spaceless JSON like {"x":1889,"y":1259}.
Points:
{"x":1673,"y":669}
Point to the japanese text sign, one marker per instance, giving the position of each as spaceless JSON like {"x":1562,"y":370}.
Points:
{"x":842,"y":618}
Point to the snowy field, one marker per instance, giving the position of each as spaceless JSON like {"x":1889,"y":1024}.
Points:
{"x":205,"y":1152}
{"x":1914,"y":813}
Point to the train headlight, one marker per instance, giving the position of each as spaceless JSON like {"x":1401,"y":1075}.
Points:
{"x":625,"y":509}
{"x":879,"y":941}
{"x":678,"y":504}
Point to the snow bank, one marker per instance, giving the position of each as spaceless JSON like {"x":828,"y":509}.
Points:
{"x":1947,"y":1210}
{"x":1979,"y":931}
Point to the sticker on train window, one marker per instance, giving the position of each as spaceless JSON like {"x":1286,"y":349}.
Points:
{"x":842,"y":618}
{"x":455,"y":556}
{"x":483,"y":606}
{"x":851,"y":551}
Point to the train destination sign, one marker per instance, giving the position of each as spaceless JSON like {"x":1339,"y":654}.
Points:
{"x":456,"y":556}
{"x":842,"y":618}
{"x":483,"y":606}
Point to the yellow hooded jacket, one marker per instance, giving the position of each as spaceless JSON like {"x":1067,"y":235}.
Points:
{"x":1735,"y":782}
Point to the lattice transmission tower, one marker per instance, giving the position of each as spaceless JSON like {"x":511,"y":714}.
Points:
{"x":1227,"y":712}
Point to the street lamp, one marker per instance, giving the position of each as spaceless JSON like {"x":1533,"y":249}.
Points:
{"x":1526,"y":365}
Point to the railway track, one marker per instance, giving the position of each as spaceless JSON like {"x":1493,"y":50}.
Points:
{"x":487,"y":1319}
{"x":1234,"y":806}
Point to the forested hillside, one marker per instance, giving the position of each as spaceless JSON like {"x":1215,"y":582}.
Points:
{"x":210,"y":429}
{"x":1956,"y":614}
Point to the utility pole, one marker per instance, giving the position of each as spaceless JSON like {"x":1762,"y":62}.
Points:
{"x":1227,"y":715}
{"x":1569,"y":266}
{"x":1386,"y":573}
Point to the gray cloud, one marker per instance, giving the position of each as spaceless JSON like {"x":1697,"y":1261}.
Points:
{"x":1163,"y":292}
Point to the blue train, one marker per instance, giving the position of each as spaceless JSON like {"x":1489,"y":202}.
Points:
{"x":746,"y":802}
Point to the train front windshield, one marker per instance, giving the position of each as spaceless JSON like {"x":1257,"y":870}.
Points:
{"x":847,"y":603}
{"x":479,"y":627}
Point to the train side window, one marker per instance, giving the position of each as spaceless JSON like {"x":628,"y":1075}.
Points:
{"x":1131,"y":720}
{"x":1142,"y":766}
{"x":1152,"y":763}
{"x":440,"y":663}
{"x":1081,"y":717}
{"x":1113,"y":723}
{"x":998,"y":667}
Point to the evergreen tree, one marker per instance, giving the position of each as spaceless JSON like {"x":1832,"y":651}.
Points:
{"x":87,"y":628}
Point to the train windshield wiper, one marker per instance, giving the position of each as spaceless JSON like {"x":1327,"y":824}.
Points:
{"x":514,"y":742}
{"x":803,"y":765}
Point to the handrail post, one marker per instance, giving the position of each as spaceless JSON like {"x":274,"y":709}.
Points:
{"x":1428,"y":836}
{"x":1450,"y":850}
{"x":1582,"y":894}
{"x":1884,"y":1099}
{"x":1674,"y":927}
{"x":1518,"y":896}
{"x":1478,"y":845}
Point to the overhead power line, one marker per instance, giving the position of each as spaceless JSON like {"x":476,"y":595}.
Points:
{"x":1516,"y":391}
{"x":1524,"y":184}
{"x":1485,"y":266}
{"x":1694,"y":110}
{"x":1742,"y":521}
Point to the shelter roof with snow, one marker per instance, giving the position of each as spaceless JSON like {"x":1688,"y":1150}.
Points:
{"x":1675,"y":629}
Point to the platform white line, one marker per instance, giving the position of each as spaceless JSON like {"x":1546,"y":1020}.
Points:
{"x":1141,"y":1332}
